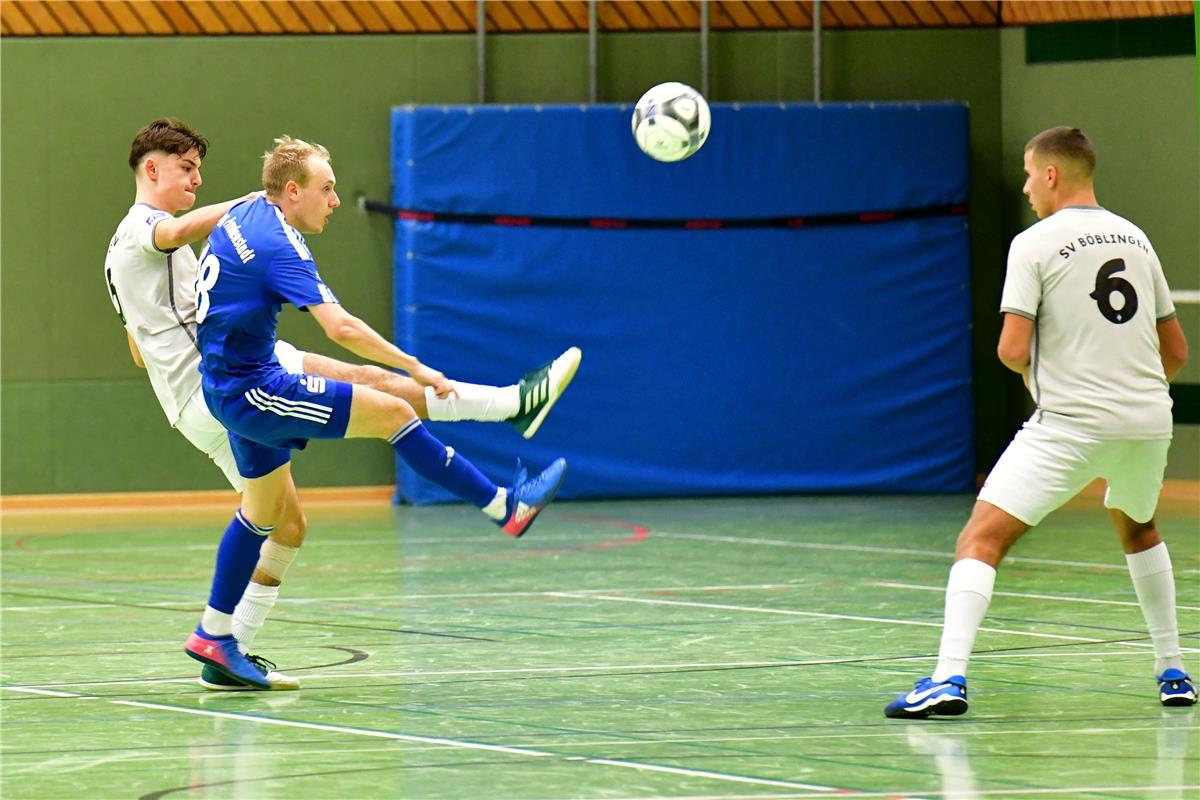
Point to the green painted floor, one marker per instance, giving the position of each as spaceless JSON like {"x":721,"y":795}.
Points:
{"x":735,"y":648}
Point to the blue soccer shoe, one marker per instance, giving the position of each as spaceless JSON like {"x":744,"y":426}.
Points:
{"x":529,"y":496}
{"x":222,"y":653}
{"x":948,"y":697}
{"x":1175,"y":688}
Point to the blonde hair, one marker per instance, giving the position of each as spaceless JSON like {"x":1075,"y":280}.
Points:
{"x":288,"y":161}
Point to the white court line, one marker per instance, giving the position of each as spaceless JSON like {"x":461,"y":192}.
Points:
{"x":821,"y":615}
{"x":298,"y":601}
{"x":925,"y":588}
{"x":604,"y":670}
{"x":434,"y":740}
{"x":858,"y":548}
{"x":900,"y":794}
{"x":1186,"y":296}
{"x":571,"y":538}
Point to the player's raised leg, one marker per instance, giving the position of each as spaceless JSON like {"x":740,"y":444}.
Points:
{"x":524,"y":404}
{"x":380,"y":416}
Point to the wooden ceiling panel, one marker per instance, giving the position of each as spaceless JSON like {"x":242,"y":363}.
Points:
{"x":798,"y":15}
{"x":396,"y":16}
{"x":70,"y":20}
{"x":926,"y":12}
{"x":531,"y":15}
{"x":207,"y":17}
{"x":156,"y":24}
{"x":845,"y":12}
{"x":251,"y":17}
{"x":954,"y":14}
{"x":502,"y":17}
{"x":610,"y":18}
{"x":688,"y":12}
{"x":557,"y":16}
{"x":636,"y":15}
{"x":126,"y":19}
{"x":42,"y":20}
{"x":661,"y":16}
{"x":770,"y":16}
{"x":343,"y":18}
{"x":97,"y":18}
{"x":315,"y":15}
{"x":903,"y":15}
{"x":577,"y":10}
{"x":875,"y":14}
{"x":368,"y":16}
{"x":451,"y":15}
{"x":16,"y":23}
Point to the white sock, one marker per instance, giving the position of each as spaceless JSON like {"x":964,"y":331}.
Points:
{"x":1154,"y":582}
{"x":968,"y":593}
{"x":251,"y":612}
{"x":474,"y":402}
{"x":216,"y":623}
{"x":499,"y":506}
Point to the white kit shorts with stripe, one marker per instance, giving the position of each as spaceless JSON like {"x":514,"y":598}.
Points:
{"x":1044,"y":467}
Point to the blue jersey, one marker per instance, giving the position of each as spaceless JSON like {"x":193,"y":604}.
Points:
{"x":253,"y":264}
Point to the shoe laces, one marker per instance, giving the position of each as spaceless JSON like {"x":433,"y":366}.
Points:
{"x":263,"y":665}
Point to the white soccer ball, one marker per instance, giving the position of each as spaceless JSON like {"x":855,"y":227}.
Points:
{"x":671,"y":122}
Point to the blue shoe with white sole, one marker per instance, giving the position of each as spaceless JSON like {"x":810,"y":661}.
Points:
{"x":948,"y":697}
{"x":1175,"y":688}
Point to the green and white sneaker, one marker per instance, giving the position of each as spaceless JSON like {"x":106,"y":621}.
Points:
{"x":214,"y":680}
{"x":541,"y":388}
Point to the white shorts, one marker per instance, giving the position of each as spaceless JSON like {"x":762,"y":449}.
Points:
{"x":199,"y":427}
{"x":1042,"y":468}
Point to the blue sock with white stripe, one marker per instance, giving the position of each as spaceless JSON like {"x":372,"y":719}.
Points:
{"x":236,"y":559}
{"x":435,"y":462}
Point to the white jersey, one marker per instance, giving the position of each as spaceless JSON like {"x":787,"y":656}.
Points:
{"x":1095,"y":288}
{"x":155,"y":295}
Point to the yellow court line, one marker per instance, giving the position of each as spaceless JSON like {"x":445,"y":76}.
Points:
{"x":148,"y":501}
{"x":1173,"y":490}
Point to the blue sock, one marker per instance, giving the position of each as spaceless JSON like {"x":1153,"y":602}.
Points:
{"x":435,"y":462}
{"x":236,"y":558}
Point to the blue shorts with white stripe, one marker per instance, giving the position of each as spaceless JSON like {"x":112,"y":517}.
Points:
{"x":269,"y":421}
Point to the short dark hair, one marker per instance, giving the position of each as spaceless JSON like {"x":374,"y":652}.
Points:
{"x":166,"y":134}
{"x":1065,"y":143}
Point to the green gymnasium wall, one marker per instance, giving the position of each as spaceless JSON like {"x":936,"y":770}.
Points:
{"x":77,"y":416}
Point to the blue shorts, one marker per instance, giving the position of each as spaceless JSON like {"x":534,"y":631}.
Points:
{"x":269,"y":421}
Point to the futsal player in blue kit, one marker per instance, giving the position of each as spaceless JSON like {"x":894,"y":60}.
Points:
{"x":256,"y":261}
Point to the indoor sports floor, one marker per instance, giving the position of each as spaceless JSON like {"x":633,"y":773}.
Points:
{"x":724,"y":648}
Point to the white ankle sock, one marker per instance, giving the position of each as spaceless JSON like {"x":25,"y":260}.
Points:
{"x":968,"y":593}
{"x":251,"y":612}
{"x":1154,"y":583}
{"x":474,"y":402}
{"x":215,"y":623}
{"x":499,"y":506}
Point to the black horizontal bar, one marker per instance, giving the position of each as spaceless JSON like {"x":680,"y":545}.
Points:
{"x":612,"y":223}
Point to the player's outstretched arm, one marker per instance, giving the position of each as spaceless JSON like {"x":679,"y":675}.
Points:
{"x":193,"y":226}
{"x":358,"y":337}
{"x":1172,"y":346}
